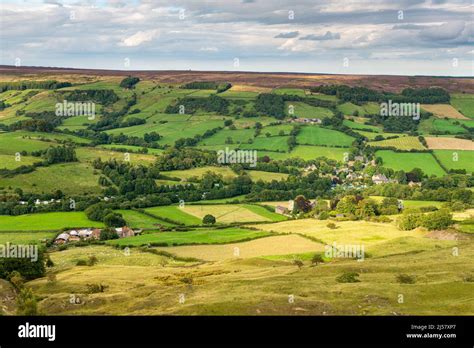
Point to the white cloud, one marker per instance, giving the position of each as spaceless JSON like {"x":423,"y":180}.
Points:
{"x":140,"y":37}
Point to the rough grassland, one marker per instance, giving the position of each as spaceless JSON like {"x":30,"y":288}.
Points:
{"x":136,"y":219}
{"x":443,"y":110}
{"x":199,"y":172}
{"x":46,"y":221}
{"x":256,"y":175}
{"x":24,"y":237}
{"x":278,"y":245}
{"x":220,"y":236}
{"x":407,"y":161}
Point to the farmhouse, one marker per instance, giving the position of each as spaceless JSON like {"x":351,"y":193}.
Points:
{"x":378,"y":179}
{"x":92,"y":234}
{"x":281,"y":210}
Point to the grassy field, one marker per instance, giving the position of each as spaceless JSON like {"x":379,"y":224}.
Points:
{"x":199,"y":172}
{"x":231,"y":213}
{"x":206,"y":236}
{"x":456,"y":159}
{"x":46,"y":221}
{"x":357,"y":125}
{"x":314,"y":135}
{"x":256,"y":175}
{"x":136,"y":219}
{"x":350,"y":109}
{"x":175,"y":214}
{"x":430,"y":125}
{"x":464,"y":103}
{"x":88,"y":154}
{"x":407,"y":161}
{"x":290,"y":91}
{"x":24,"y":237}
{"x":276,"y":143}
{"x":277,"y":245}
{"x":412,"y":203}
{"x":12,"y":161}
{"x":402,"y":143}
{"x":303,"y":110}
{"x":72,"y":178}
{"x":308,"y":152}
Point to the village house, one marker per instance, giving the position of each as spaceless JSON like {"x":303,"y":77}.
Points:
{"x":62,"y":238}
{"x":378,"y":179}
{"x":92,"y":234}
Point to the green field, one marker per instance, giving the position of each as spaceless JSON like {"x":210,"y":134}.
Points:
{"x":350,"y":109}
{"x":277,"y":143}
{"x":199,"y":172}
{"x":72,"y":178}
{"x":360,"y":126}
{"x":136,"y":219}
{"x":464,"y":103}
{"x":206,"y":236}
{"x":24,"y":237}
{"x":256,"y":175}
{"x":314,"y":135}
{"x":229,"y":137}
{"x":456,"y":159}
{"x":12,"y":161}
{"x":303,"y":110}
{"x":46,"y":221}
{"x":452,"y":126}
{"x":308,"y":152}
{"x":175,"y":214}
{"x":407,"y":161}
{"x":412,"y":203}
{"x":290,"y":91}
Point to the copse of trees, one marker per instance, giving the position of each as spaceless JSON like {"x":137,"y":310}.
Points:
{"x":219,"y":86}
{"x":28,"y":268}
{"x":59,"y":154}
{"x":22,"y":85}
{"x":100,"y":96}
{"x":271,"y":105}
{"x":129,"y":82}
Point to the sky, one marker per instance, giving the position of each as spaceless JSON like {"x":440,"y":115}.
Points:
{"x":406,"y":37}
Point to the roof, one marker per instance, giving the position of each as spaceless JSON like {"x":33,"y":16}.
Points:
{"x":64,"y":236}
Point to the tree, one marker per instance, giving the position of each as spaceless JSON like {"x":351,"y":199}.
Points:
{"x":302,"y":204}
{"x":28,"y":268}
{"x":209,"y":220}
{"x":26,"y":303}
{"x":108,"y":233}
{"x":438,"y":220}
{"x":114,"y":220}
{"x":97,"y":212}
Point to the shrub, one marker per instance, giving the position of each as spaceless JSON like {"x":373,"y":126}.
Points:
{"x":331,"y":225}
{"x":26,"y":303}
{"x":317,"y":258}
{"x":409,"y":221}
{"x":108,"y":233}
{"x":438,"y":220}
{"x":92,"y":260}
{"x":406,"y":279}
{"x":114,"y":220}
{"x":298,"y":263}
{"x":348,"y":277}
{"x":209,"y":220}
{"x":81,"y":263}
{"x":95,"y":288}
{"x":324,"y":215}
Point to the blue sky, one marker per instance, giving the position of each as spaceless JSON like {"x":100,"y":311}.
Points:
{"x":408,"y":37}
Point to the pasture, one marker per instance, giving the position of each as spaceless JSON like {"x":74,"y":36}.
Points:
{"x":401,"y":143}
{"x":407,"y":161}
{"x":46,"y":221}
{"x":308,"y":152}
{"x":456,"y":159}
{"x":232,"y":213}
{"x":314,"y":135}
{"x":464,"y":103}
{"x":196,"y":237}
{"x":175,"y":214}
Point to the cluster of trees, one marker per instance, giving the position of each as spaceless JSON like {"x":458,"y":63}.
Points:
{"x":129,"y":82}
{"x":110,"y":120}
{"x":22,"y":85}
{"x":57,"y":154}
{"x":101,"y":212}
{"x":190,"y":105}
{"x":438,"y":220}
{"x":270,"y":105}
{"x":357,"y":207}
{"x":186,"y":158}
{"x":100,"y":96}
{"x":219,"y":86}
{"x":358,"y":95}
{"x":45,"y":121}
{"x":26,"y":267}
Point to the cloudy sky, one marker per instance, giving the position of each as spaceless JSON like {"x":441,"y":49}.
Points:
{"x":408,"y":37}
